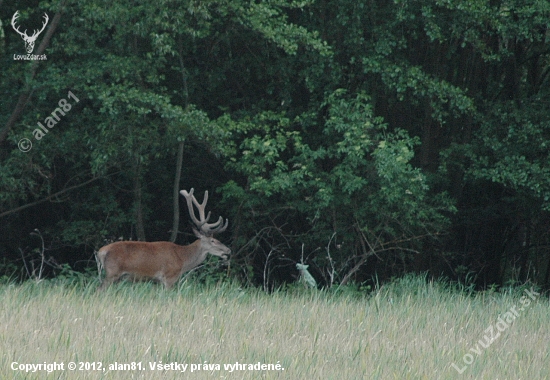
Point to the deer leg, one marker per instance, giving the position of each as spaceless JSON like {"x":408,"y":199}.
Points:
{"x":108,"y":280}
{"x":169,"y":282}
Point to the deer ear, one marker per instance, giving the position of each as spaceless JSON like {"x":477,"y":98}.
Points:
{"x":197,"y":233}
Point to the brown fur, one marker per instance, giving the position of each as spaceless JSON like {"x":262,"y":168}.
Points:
{"x":162,"y":261}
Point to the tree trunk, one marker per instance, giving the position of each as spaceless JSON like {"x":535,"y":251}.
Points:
{"x":179,"y":163}
{"x":140,"y":229}
{"x":176,"y":221}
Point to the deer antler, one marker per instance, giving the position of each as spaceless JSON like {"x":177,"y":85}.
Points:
{"x":15,"y":16}
{"x":205,"y":228}
{"x":43,"y":25}
{"x":29,"y":40}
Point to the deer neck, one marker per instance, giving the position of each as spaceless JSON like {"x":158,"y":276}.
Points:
{"x":196,"y":254}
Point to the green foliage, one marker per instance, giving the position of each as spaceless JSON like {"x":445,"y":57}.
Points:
{"x":357,"y":181}
{"x":8,"y":271}
{"x":512,"y":149}
{"x":210,"y":273}
{"x":335,"y":130}
{"x":129,"y":64}
{"x":271,"y":22}
{"x":69,"y":277}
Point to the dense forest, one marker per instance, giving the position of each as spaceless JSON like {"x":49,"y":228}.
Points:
{"x":364,"y":138}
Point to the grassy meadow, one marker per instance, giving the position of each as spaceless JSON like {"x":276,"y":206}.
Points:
{"x":409,"y":329}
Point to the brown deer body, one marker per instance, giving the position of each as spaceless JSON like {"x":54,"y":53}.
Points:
{"x":163,"y":261}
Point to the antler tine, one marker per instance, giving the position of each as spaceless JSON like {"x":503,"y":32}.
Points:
{"x":201,"y":223}
{"x":213,"y":226}
{"x":221,"y":228}
{"x":210,"y":228}
{"x":13,"y":20}
{"x":190,"y":198}
{"x":36,"y":32}
{"x":201,"y":207}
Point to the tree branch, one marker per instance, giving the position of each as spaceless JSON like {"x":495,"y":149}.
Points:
{"x":49,"y":197}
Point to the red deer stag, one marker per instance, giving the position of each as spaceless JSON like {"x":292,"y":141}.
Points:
{"x":164,"y":261}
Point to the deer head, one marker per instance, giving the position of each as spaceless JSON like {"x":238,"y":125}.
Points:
{"x":29,"y":40}
{"x":205,"y":230}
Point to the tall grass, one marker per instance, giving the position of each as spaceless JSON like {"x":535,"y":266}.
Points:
{"x":410,"y":329}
